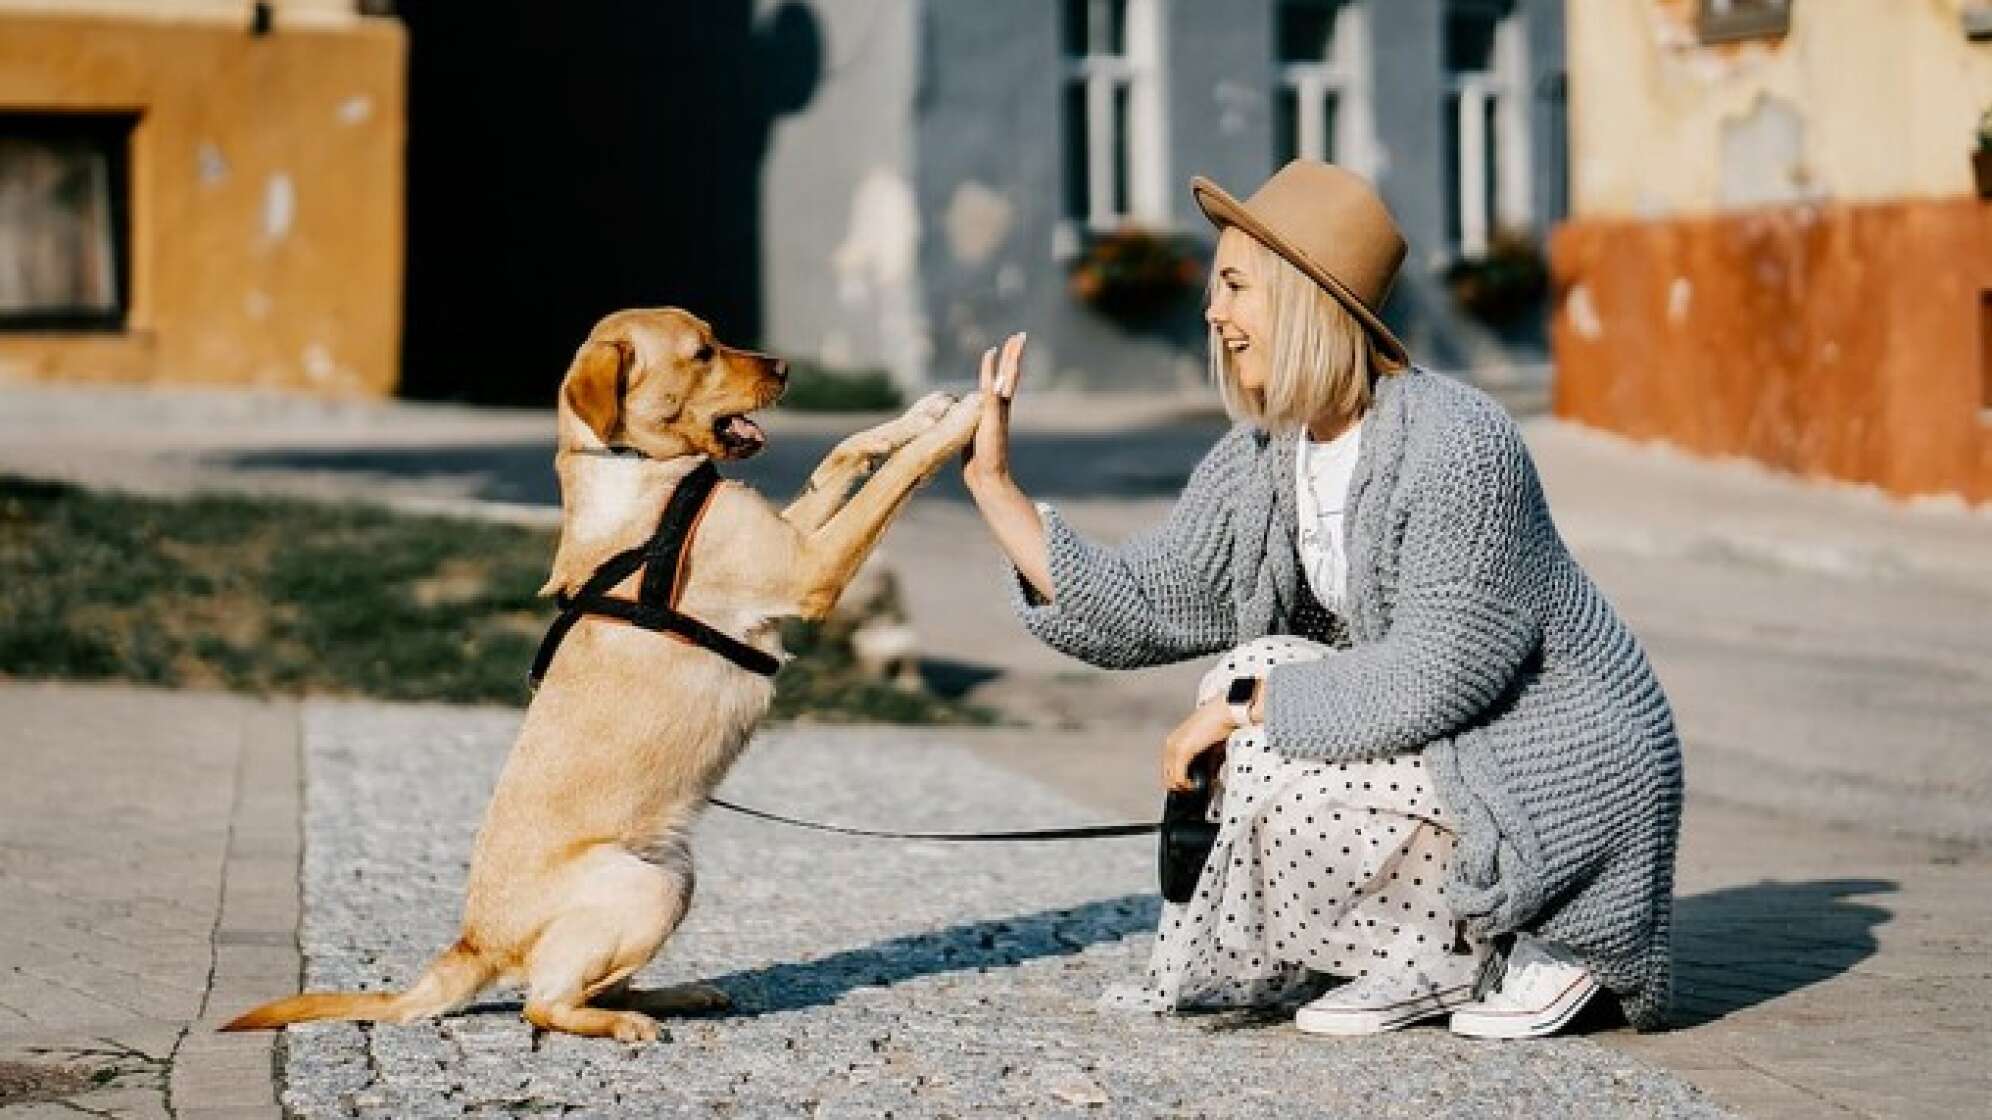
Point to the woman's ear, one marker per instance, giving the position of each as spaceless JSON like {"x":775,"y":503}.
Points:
{"x":595,"y":386}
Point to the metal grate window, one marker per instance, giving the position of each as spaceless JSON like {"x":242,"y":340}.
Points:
{"x":1724,"y":21}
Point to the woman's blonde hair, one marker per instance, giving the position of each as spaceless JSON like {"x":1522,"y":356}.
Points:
{"x":1323,"y":363}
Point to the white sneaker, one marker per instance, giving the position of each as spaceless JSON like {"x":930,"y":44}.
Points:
{"x":1381,"y":1001}
{"x":1544,"y":987}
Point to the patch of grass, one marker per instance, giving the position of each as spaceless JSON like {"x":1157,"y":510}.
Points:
{"x":285,"y":596}
{"x":815,"y":388}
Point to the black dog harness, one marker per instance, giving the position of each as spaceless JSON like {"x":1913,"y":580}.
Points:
{"x":662,"y":559}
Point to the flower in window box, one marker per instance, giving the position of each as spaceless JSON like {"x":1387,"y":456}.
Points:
{"x":1500,"y":286}
{"x":1133,"y":274}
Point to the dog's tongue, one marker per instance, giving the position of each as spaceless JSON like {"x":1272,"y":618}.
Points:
{"x":745,"y":430}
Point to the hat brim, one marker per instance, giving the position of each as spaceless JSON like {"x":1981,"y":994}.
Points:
{"x":1223,"y":210}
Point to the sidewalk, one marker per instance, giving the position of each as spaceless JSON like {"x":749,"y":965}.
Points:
{"x":1822,"y":972}
{"x":1828,"y":653}
{"x":148,"y":888}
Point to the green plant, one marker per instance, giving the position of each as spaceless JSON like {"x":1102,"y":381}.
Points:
{"x":1508,"y":281}
{"x":817,"y":388}
{"x":1135,"y":274}
{"x":275,"y":595}
{"x":1985,"y":130}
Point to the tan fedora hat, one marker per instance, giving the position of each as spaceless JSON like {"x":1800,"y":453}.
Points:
{"x":1328,"y":223}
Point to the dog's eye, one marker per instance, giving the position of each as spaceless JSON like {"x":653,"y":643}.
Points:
{"x":704,"y":354}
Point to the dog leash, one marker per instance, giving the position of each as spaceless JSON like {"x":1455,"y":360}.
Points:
{"x":1083,"y":832}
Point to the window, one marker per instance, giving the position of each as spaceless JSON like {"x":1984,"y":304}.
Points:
{"x":1726,"y":20}
{"x":63,"y":240}
{"x":1114,"y":169}
{"x":1486,"y":123}
{"x":1322,"y":108}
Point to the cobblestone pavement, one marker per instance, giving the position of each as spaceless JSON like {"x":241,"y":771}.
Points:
{"x":869,"y":978}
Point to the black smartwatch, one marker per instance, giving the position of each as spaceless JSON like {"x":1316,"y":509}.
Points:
{"x":1239,"y":699}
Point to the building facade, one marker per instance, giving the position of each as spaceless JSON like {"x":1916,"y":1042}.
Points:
{"x":201,"y":191}
{"x":1778,"y":249}
{"x":965,"y":169}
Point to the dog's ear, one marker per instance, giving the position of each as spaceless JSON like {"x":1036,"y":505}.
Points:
{"x":595,"y":386}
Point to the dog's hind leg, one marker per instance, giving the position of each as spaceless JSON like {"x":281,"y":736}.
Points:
{"x":856,"y":456}
{"x":620,"y":908}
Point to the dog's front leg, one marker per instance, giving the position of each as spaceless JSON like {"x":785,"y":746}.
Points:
{"x":856,"y":457}
{"x":832,"y":555}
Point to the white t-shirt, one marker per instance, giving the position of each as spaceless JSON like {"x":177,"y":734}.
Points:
{"x":1321,"y":478}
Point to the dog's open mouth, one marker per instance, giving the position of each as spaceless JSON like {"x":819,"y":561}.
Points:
{"x":740,"y":436}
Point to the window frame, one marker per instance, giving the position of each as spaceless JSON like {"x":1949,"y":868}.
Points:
{"x":1345,"y":74}
{"x":113,"y":131}
{"x":1475,"y":97}
{"x":1136,"y":73}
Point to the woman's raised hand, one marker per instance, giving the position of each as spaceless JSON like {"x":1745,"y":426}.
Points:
{"x":985,"y":468}
{"x":988,"y":458}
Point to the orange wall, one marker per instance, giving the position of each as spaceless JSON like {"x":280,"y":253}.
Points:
{"x":1838,"y":340}
{"x":266,"y":197}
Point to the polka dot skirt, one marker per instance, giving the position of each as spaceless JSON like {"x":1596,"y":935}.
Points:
{"x":1322,"y":867}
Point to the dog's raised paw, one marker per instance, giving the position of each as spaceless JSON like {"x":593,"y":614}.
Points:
{"x":933,"y":406}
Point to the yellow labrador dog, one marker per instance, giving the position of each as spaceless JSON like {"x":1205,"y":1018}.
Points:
{"x":582,"y":867}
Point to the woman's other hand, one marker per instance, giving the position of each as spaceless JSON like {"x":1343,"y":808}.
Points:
{"x":1207,"y":729}
{"x":986,"y":462}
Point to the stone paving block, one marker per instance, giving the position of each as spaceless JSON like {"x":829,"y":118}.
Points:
{"x":124,"y":1103}
{"x":222,"y":1087}
{"x":1762,"y":1097}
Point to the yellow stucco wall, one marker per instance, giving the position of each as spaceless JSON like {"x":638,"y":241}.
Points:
{"x":266,"y":191}
{"x":1864,"y":100}
{"x":234,"y":12}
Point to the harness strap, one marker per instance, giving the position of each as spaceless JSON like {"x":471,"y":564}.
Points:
{"x":662,"y":559}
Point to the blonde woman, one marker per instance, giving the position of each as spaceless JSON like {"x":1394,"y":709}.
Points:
{"x":1448,"y":773}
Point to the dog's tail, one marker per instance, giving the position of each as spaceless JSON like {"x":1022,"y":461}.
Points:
{"x":452,"y":979}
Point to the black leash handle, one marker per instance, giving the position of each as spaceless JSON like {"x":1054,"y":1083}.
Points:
{"x":1084,"y":832}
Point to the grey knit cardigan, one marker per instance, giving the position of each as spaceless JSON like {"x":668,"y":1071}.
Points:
{"x":1470,"y":633}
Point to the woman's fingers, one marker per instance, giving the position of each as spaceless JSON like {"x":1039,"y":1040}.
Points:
{"x":988,"y":372}
{"x":1011,"y":367}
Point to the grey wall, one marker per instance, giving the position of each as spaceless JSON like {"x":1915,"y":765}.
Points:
{"x":989,"y":155}
{"x":986,"y":132}
{"x":910,"y":208}
{"x":839,"y":219}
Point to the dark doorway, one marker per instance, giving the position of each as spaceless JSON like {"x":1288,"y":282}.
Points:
{"x":566,"y":160}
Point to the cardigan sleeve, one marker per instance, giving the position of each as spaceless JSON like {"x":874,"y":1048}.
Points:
{"x":1459,"y":633}
{"x":1162,"y":595}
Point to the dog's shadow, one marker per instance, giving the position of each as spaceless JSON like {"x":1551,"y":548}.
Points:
{"x":971,"y":946}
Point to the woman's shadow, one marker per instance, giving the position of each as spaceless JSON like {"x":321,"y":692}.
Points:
{"x":1737,"y":947}
{"x":1734,"y":948}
